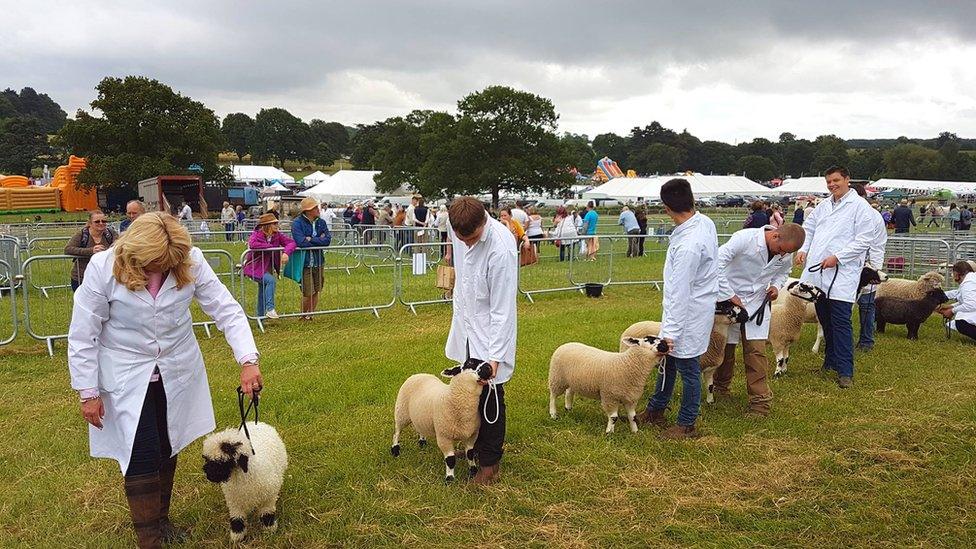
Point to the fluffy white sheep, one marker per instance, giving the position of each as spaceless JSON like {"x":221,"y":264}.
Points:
{"x":912,"y":289}
{"x":713,"y":357}
{"x":615,"y":379}
{"x":250,"y":473}
{"x":446,"y":412}
{"x":788,"y":315}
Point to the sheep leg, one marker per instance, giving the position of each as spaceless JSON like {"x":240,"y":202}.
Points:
{"x":782,"y":357}
{"x":552,"y":404}
{"x":820,"y":338}
{"x":879,"y":324}
{"x":400,"y":420}
{"x":611,"y":411}
{"x":913,"y":331}
{"x":238,"y":528}
{"x":709,"y":375}
{"x":631,"y":414}
{"x":469,"y":454}
{"x":568,"y":399}
{"x":450,"y":460}
{"x":269,"y":518}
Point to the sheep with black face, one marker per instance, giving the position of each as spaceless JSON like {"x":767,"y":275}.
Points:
{"x":250,"y":473}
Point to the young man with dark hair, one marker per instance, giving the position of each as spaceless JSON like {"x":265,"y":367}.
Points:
{"x":690,"y":293}
{"x":483,"y":325}
{"x":840,"y":232}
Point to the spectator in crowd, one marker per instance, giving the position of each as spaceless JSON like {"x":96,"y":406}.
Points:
{"x":229,"y":219}
{"x":310,"y":231}
{"x":922,"y":210}
{"x":399,"y":227}
{"x":887,"y":217}
{"x":329,"y":215}
{"x":776,"y":218}
{"x":137,"y":366}
{"x":506,"y":218}
{"x":368,"y":222}
{"x":96,"y":236}
{"x":962,"y":313}
{"x":903,"y":218}
{"x":840,"y":232}
{"x":534,"y":229}
{"x":628,"y":219}
{"x":133,"y":209}
{"x":954,"y":217}
{"x":565,"y":233}
{"x":798,"y":214}
{"x":641,"y":215}
{"x":865,"y":300}
{"x":348,"y":213}
{"x":384,"y":217}
{"x":935,"y":212}
{"x":690,"y":293}
{"x":420,"y":216}
{"x":589,"y":229}
{"x":808,"y":210}
{"x":757,"y":218}
{"x":965,"y":218}
{"x":186,"y":214}
{"x":441,"y":222}
{"x":520,"y":215}
{"x":241,"y":218}
{"x":487,"y":279}
{"x":264,"y":267}
{"x":410,"y":220}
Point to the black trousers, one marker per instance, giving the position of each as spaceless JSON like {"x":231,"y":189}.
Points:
{"x":151,"y":445}
{"x":491,"y":437}
{"x":962,"y":327}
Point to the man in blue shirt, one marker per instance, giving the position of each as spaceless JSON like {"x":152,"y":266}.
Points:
{"x":589,"y":228}
{"x":133,"y":209}
{"x":310,"y":231}
{"x":631,"y":227}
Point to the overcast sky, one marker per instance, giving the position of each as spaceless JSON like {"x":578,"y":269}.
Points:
{"x":723,"y":70}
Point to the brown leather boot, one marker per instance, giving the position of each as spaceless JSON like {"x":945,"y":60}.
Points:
{"x":169,"y":532}
{"x":487,"y":474}
{"x":142,"y":491}
{"x":655,"y":418}
{"x":680,"y":432}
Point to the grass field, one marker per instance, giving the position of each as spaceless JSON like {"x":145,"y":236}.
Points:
{"x":888,"y":463}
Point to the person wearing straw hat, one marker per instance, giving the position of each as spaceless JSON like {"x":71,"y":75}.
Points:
{"x":263,"y":266}
{"x":309,"y":231}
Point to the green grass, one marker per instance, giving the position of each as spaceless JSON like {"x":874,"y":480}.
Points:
{"x":888,"y":463}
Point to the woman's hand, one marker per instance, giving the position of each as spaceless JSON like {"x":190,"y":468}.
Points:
{"x":93,"y":411}
{"x":251,"y":379}
{"x":284,"y":259}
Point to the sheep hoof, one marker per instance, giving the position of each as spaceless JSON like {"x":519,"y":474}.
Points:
{"x":553,"y":416}
{"x":449,"y":479}
{"x":422,"y":442}
{"x":395,"y":450}
{"x":270,"y":521}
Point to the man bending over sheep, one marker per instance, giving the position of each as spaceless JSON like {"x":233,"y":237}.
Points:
{"x":752,"y":265}
{"x":690,"y":292}
{"x":483,"y":323}
{"x":840,"y":232}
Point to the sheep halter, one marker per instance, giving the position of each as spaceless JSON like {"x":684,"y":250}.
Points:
{"x":244,"y":413}
{"x":819,"y":268}
{"x":492,"y":389}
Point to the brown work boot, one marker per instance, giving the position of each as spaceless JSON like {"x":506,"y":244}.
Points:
{"x":142,"y":491}
{"x":654,"y":417}
{"x":487,"y":474}
{"x":169,"y":532}
{"x":754,"y":412}
{"x":679,"y":432}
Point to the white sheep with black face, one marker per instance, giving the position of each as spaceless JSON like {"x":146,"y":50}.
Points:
{"x":250,"y":473}
{"x":788,"y":314}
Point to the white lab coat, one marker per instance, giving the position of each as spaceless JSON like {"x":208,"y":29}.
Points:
{"x":690,"y":286}
{"x":876,"y":253}
{"x":845,"y":230}
{"x":745,"y":270}
{"x":486,"y":284}
{"x":965,"y":308}
{"x":117,"y":337}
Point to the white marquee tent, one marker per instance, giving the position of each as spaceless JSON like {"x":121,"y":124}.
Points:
{"x":648,"y":188}
{"x":261,"y":174}
{"x":803,"y":185}
{"x":273,"y":189}
{"x":915,"y":185}
{"x":314,"y":178}
{"x":345,"y":185}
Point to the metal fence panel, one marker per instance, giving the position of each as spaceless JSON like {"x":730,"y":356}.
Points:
{"x":8,"y":300}
{"x":911,"y":257}
{"x":47,"y":319}
{"x":418,"y":274}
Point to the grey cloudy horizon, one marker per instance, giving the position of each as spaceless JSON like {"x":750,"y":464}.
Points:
{"x":724,"y":70}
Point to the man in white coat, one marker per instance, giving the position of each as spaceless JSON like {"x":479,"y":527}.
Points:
{"x":752,"y":266}
{"x":840,"y":231}
{"x":137,"y":366}
{"x":865,"y":300}
{"x":483,"y":325}
{"x":690,"y":293}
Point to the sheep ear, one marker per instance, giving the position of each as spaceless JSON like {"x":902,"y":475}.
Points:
{"x":451,"y":372}
{"x":242,"y":462}
{"x":229,"y":448}
{"x":792,"y":284}
{"x":630,"y":341}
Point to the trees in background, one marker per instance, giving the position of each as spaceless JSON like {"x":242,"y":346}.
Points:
{"x":280,"y":136}
{"x":237,"y":129}
{"x":22,"y":142}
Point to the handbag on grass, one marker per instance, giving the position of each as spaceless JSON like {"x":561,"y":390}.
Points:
{"x":528,"y":255}
{"x":445,"y":277}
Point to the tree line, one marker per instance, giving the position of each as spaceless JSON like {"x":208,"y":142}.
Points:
{"x":26,"y":119}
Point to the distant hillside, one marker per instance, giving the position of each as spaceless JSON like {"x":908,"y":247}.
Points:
{"x":964,"y":144}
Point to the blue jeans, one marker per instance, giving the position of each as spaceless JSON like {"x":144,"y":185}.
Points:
{"x":229,"y":229}
{"x":690,"y":370}
{"x":266,"y":293}
{"x":865,"y":308}
{"x":835,"y":317}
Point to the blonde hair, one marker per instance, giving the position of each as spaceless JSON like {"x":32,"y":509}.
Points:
{"x":155,"y":239}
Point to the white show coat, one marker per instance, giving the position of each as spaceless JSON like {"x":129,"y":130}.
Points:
{"x":876,"y":253}
{"x":745,"y":270}
{"x":690,"y":286}
{"x":845,"y":229}
{"x":965,"y":308}
{"x":486,"y":283}
{"x":117,"y":337}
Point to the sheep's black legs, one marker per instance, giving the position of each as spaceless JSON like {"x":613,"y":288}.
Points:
{"x":237,"y":530}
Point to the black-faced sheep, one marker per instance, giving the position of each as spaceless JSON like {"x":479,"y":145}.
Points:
{"x":447,"y":412}
{"x":788,"y":315}
{"x":615,"y":379}
{"x":250,"y":473}
{"x":911,"y":312}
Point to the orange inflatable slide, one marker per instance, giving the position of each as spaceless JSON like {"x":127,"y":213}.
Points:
{"x":73,"y":198}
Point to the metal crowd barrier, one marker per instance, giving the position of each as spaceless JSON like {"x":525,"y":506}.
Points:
{"x":912,"y":257}
{"x":8,"y":291}
{"x":418,"y":275}
{"x":223,"y":265}
{"x":358,"y":290}
{"x":41,"y":328}
{"x":10,"y":253}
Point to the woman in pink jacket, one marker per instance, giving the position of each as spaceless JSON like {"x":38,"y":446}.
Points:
{"x":263,"y":266}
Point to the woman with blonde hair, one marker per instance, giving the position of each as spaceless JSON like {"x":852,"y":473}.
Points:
{"x":136,"y":364}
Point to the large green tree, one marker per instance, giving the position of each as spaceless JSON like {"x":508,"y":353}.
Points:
{"x":829,"y":150}
{"x":578,"y":152}
{"x":237,"y":130}
{"x":145,"y":129}
{"x":716,"y":157}
{"x":330,"y":137}
{"x":756,"y":168}
{"x":28,"y":103}
{"x":797,"y":156}
{"x":911,"y":161}
{"x":22,"y":140}
{"x":281,"y":136}
{"x":612,"y":146}
{"x":658,"y":158}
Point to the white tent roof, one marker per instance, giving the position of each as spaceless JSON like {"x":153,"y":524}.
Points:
{"x":803,"y":185}
{"x":315,"y":178}
{"x":343,"y":185}
{"x":627,"y":188}
{"x":958,"y":187}
{"x":273,"y":189}
{"x":260,"y":174}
